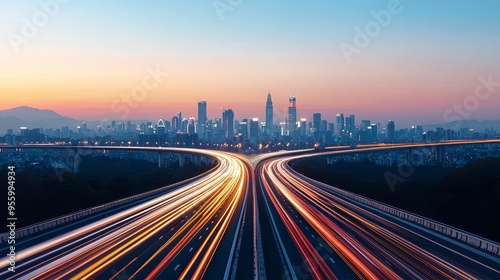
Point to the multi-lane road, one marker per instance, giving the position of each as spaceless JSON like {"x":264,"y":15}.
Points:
{"x":177,"y":234}
{"x":247,"y":219}
{"x":338,"y":238}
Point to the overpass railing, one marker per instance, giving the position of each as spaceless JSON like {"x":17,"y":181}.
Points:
{"x":458,"y":234}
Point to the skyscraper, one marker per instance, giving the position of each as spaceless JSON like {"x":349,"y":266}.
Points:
{"x":175,"y":124}
{"x":292,"y":114}
{"x":254,"y":129}
{"x":269,"y":115}
{"x":191,"y":126}
{"x":202,"y":119}
{"x":303,"y":127}
{"x":390,"y":130}
{"x":316,"y":125}
{"x":340,"y":124}
{"x":244,"y":128}
{"x":160,"y":127}
{"x":179,"y":121}
{"x":350,"y":124}
{"x":364,"y":125}
{"x":228,"y":123}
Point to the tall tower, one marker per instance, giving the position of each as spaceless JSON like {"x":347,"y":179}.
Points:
{"x":317,"y":125}
{"x":292,"y":114}
{"x":191,"y":126}
{"x":269,"y":115}
{"x":350,"y":124}
{"x":228,"y":123}
{"x":340,"y":124}
{"x":160,"y":127}
{"x":179,"y":121}
{"x":202,"y":118}
{"x":391,"y":127}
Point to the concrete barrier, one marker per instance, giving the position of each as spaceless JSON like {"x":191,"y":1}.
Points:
{"x":458,"y":234}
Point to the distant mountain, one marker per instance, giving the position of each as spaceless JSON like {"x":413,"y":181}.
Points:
{"x":31,"y":114}
{"x":33,"y":118}
{"x":36,"y":118}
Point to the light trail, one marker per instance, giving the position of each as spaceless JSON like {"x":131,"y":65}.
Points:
{"x":372,"y":244}
{"x":89,"y":251}
{"x":197,"y":230}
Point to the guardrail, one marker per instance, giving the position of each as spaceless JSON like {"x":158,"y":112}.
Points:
{"x":45,"y":225}
{"x":458,"y":234}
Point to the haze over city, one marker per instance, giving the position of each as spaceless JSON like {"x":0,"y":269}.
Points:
{"x":89,"y":56}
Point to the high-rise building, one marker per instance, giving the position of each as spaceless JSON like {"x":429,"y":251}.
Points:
{"x":390,"y":130}
{"x":364,"y":125}
{"x":254,"y":129}
{"x":191,"y":126}
{"x":184,"y":124}
{"x":228,"y":123}
{"x":303,"y":127}
{"x":269,"y":115}
{"x":374,"y":130}
{"x":179,"y":121}
{"x":143,"y":128}
{"x":340,"y":123}
{"x":175,"y":124}
{"x":160,"y":127}
{"x":316,"y":125}
{"x":150,"y":129}
{"x":350,"y":124}
{"x":202,"y":119}
{"x":292,"y":114}
{"x":323,"y":126}
{"x":244,"y":128}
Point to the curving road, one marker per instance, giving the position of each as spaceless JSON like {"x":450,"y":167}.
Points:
{"x":175,"y":234}
{"x":325,"y":235}
{"x":248,"y":219}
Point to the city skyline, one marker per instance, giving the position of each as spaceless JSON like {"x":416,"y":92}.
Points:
{"x":407,"y":71}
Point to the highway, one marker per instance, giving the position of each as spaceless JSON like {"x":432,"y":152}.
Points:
{"x":175,"y":234}
{"x":335,"y":237}
{"x":248,"y":218}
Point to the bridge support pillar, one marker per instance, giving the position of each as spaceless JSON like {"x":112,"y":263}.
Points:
{"x":329,"y":160}
{"x":440,"y":154}
{"x":160,"y":160}
{"x":76,"y":161}
{"x":408,"y":155}
{"x":182,"y":160}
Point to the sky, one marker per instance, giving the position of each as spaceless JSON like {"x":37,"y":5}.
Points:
{"x":410,"y":61}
